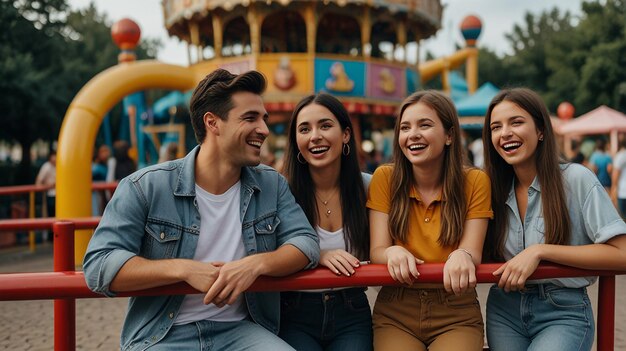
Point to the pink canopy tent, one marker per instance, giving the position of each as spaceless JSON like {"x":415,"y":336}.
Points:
{"x":602,"y":120}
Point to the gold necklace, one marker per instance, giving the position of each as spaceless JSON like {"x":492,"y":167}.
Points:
{"x":325,"y":203}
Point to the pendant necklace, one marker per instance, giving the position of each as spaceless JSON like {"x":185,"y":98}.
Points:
{"x":325,"y":203}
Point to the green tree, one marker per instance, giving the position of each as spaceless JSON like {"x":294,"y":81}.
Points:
{"x":563,"y":60}
{"x":491,"y":68}
{"x":46,"y":55}
{"x":531,"y":42}
{"x":531,"y":63}
{"x":602,"y":37}
{"x":28,"y":69}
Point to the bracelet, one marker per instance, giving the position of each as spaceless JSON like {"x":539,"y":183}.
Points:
{"x":467,"y":252}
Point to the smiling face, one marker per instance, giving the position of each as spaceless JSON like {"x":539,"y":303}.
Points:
{"x":319,"y":136}
{"x":244,"y":131}
{"x":422,"y":137}
{"x":514,"y":134}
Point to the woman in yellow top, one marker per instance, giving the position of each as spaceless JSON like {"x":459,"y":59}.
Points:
{"x":428,"y":207}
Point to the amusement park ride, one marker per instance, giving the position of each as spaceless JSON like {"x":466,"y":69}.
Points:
{"x":353,"y":49}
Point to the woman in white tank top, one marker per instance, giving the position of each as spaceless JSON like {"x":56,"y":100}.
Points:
{"x":323,"y":172}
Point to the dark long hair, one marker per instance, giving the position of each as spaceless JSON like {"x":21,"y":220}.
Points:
{"x":556,"y":217}
{"x":453,"y":174}
{"x":352,"y":190}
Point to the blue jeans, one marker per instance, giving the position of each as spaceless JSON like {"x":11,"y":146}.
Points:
{"x":215,"y":336}
{"x":543,"y":317}
{"x":338,"y":320}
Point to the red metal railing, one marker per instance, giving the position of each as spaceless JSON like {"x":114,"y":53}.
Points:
{"x":46,"y":223}
{"x":32,"y":189}
{"x":65,"y":285}
{"x":26,"y":189}
{"x":64,"y":309}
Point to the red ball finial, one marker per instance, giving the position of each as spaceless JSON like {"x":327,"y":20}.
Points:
{"x":126,"y":34}
{"x":471,"y":28}
{"x":565,"y":110}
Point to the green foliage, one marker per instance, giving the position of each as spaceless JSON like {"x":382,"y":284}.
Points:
{"x":491,"y":68}
{"x":26,"y":67}
{"x":603,"y":73}
{"x":531,"y":44}
{"x":47,"y":54}
{"x":581,"y":60}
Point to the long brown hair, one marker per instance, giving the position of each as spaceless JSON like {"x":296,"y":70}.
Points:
{"x":351,"y":188}
{"x":453,"y":177}
{"x":556,"y":217}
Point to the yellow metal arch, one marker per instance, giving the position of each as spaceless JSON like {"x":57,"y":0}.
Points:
{"x":82,"y":121}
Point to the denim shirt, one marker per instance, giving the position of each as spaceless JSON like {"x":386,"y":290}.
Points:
{"x":593,"y":217}
{"x":154,"y":214}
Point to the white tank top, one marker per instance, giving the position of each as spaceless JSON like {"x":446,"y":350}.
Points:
{"x":329,"y":241}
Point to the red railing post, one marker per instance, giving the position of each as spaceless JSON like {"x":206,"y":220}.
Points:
{"x":64,"y":309}
{"x":606,"y":313}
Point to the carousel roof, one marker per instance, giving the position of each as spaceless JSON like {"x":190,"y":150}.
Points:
{"x":174,"y":10}
{"x":393,"y":5}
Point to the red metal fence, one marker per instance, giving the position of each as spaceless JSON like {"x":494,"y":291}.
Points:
{"x":31,"y":190}
{"x":65,"y":285}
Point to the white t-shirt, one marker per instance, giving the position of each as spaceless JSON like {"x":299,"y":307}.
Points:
{"x":219,"y":240}
{"x":620,"y":163}
{"x":47,"y":176}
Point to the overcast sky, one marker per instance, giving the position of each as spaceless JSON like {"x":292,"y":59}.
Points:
{"x":498,"y":17}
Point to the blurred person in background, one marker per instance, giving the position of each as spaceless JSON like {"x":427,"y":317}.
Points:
{"x":99,"y":170}
{"x":169,"y":152}
{"x":601,"y":164}
{"x":48,"y":176}
{"x":618,"y":190}
{"x":120,"y":165}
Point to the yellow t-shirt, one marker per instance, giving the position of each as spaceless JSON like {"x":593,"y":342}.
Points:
{"x":425,"y":222}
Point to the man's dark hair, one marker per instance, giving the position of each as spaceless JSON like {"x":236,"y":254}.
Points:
{"x":214,"y":94}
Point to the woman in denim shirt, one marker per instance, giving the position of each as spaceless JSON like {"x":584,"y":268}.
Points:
{"x":543,"y":210}
{"x":322,"y":169}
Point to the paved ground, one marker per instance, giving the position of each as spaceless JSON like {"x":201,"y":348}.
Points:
{"x":28,"y":325}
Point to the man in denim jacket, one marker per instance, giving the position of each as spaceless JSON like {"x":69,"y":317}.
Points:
{"x":214,"y":219}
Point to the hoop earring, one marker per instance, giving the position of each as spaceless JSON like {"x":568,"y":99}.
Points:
{"x":298,"y":157}
{"x":345,"y":150}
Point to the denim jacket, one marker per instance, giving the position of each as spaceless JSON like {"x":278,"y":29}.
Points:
{"x":154,"y":214}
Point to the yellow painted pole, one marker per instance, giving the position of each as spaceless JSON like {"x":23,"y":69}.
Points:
{"x":471,"y":70}
{"x":31,"y":215}
{"x":81,"y":123}
{"x":445,"y":80}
